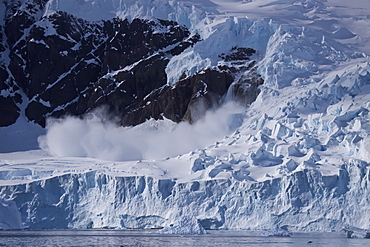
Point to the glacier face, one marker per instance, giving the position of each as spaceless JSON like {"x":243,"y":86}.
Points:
{"x":298,"y":158}
{"x":305,"y":200}
{"x":10,"y":218}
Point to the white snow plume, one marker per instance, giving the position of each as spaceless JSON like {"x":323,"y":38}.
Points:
{"x":92,"y":136}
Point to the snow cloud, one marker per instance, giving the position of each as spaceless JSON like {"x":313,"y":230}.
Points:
{"x":94,"y":136}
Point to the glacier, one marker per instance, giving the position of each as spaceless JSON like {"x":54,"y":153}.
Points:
{"x":298,"y":159}
{"x":305,"y":200}
{"x":10,"y":218}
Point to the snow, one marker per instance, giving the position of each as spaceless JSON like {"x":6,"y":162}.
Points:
{"x":48,"y":28}
{"x":297,"y":158}
{"x":187,"y":62}
{"x":94,"y":137}
{"x":330,"y":17}
{"x":41,"y":42}
{"x":187,"y":13}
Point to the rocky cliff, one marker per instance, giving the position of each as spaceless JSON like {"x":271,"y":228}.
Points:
{"x":57,"y":64}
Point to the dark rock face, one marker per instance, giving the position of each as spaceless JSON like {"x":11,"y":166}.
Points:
{"x":238,"y":54}
{"x":9,"y":98}
{"x":65,"y":65}
{"x":246,"y":79}
{"x":188,"y":100}
{"x":9,"y":112}
{"x":245,"y":88}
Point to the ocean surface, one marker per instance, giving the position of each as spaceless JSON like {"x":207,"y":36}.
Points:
{"x":141,"y":238}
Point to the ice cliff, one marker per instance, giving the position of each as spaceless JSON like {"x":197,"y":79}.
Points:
{"x":305,"y":200}
{"x":9,"y":215}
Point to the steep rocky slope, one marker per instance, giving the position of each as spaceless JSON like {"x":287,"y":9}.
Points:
{"x":59,"y":64}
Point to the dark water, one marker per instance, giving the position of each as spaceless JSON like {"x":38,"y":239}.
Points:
{"x":151,"y":238}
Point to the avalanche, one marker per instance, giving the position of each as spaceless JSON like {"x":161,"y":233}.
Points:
{"x":297,"y":158}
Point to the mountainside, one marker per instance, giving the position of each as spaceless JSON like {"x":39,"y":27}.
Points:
{"x":66,"y":65}
{"x":238,"y":114}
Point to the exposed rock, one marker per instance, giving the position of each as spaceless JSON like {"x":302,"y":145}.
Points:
{"x":66,"y":65}
{"x":245,"y":90}
{"x":63,"y":61}
{"x":188,"y":100}
{"x":238,"y":54}
{"x":9,"y":111}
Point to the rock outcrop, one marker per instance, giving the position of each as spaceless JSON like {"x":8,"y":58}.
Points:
{"x":64,"y":65}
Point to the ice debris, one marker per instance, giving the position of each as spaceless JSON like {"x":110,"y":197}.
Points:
{"x":186,"y":225}
{"x":355,"y":232}
{"x":278,"y":232}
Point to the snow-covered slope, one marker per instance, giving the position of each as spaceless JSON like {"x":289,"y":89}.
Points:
{"x":340,"y":19}
{"x":188,"y":13}
{"x":298,"y":157}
